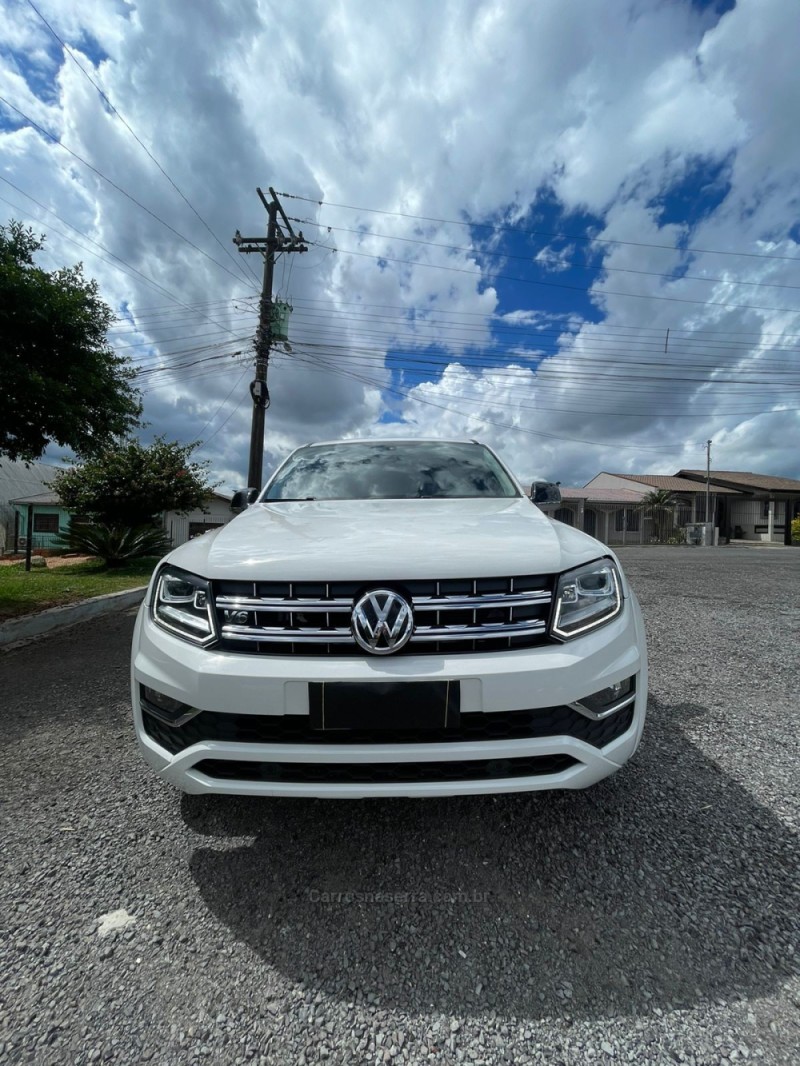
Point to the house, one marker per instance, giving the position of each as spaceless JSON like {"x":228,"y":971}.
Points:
{"x":689,"y":495}
{"x":42,"y":516}
{"x":610,"y":507}
{"x":612,"y":515}
{"x":741,"y":505}
{"x":17,"y":480}
{"x":183,"y":527}
{"x":763,"y":502}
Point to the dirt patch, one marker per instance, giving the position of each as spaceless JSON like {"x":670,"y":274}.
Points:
{"x":53,"y":562}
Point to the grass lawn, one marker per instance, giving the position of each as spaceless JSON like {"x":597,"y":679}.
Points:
{"x":26,"y":593}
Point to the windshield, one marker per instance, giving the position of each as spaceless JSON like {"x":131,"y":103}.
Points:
{"x":390,"y":470}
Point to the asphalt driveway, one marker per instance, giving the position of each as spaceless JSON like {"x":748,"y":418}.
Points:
{"x":653,"y":918}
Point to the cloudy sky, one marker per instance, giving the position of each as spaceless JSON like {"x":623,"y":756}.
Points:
{"x":565,"y":227}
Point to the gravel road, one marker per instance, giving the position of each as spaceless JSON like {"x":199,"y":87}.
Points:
{"x":651,"y":919}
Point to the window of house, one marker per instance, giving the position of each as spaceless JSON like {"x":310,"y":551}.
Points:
{"x":45,"y":523}
{"x":564,"y":514}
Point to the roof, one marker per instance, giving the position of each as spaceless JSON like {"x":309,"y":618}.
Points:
{"x":747,"y":481}
{"x":50,"y":499}
{"x":672,"y":483}
{"x":40,"y":499}
{"x":22,"y":479}
{"x":595,"y":495}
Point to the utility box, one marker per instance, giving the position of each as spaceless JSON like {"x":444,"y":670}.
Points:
{"x":279,"y":320}
{"x":701,"y":534}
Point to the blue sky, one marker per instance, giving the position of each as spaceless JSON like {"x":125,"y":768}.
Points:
{"x":568,"y":229}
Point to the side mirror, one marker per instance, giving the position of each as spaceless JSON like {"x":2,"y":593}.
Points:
{"x":242,"y":499}
{"x":546,"y":493}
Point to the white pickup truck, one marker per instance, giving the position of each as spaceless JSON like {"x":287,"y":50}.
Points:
{"x":389,"y":618}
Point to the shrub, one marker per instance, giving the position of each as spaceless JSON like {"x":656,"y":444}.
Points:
{"x":796,"y":530}
{"x":115,"y":545}
{"x":131,"y":484}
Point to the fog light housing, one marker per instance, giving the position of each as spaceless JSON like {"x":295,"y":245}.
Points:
{"x":165,"y":708}
{"x":607,"y":701}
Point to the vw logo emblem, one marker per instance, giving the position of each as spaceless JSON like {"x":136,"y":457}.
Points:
{"x":382,"y":622}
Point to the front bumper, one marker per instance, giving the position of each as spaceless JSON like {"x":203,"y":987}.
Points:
{"x":547,"y":678}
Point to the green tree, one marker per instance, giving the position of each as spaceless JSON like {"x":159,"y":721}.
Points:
{"x":129,"y":484}
{"x":60,"y":380}
{"x":661,"y":505}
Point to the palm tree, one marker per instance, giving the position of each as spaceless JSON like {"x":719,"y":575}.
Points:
{"x":661,"y":505}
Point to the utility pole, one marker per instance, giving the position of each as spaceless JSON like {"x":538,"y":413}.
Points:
{"x":708,"y":478}
{"x":275,"y":242}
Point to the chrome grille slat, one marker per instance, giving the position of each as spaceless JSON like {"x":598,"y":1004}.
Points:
{"x":289,"y":636}
{"x":479,"y":632}
{"x":244,"y":603}
{"x":469,"y":603}
{"x":421,"y":603}
{"x":421,"y":633}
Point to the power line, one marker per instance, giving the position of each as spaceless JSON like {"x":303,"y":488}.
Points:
{"x":547,"y":342}
{"x":506,"y":227}
{"x":55,"y":140}
{"x":107,"y":102}
{"x":587,"y":290}
{"x":495,"y":327}
{"x":484,"y":253}
{"x":66,"y":237}
{"x":501,"y":316}
{"x":659,"y":412}
{"x":174,"y":316}
{"x":171,"y":340}
{"x":235,"y":411}
{"x":179,"y":381}
{"x":235,"y":386}
{"x":561,"y":382}
{"x":613,"y":370}
{"x":23,"y":213}
{"x":502,"y":425}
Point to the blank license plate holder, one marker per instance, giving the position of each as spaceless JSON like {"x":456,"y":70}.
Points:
{"x":384,"y":705}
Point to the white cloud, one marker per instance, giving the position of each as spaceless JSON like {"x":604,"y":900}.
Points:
{"x":457,"y":111}
{"x":555,"y":260}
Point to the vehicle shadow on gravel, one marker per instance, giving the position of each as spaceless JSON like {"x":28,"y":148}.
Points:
{"x":664,"y":886}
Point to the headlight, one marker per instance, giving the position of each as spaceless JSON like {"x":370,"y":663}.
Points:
{"x":182,"y":604}
{"x":586,"y":598}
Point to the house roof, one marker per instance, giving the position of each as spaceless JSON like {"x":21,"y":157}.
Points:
{"x":746,"y":480}
{"x":597,"y":495}
{"x":21,"y":479}
{"x":50,"y":499}
{"x":673,"y":483}
{"x":41,"y":499}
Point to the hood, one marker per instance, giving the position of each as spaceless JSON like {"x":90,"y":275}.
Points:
{"x":383,"y":540}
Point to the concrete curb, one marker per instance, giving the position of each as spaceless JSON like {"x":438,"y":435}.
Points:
{"x":35,"y":625}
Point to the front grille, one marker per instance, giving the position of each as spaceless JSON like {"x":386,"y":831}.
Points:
{"x":475,"y":726}
{"x":450,"y":616}
{"x":390,"y":773}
